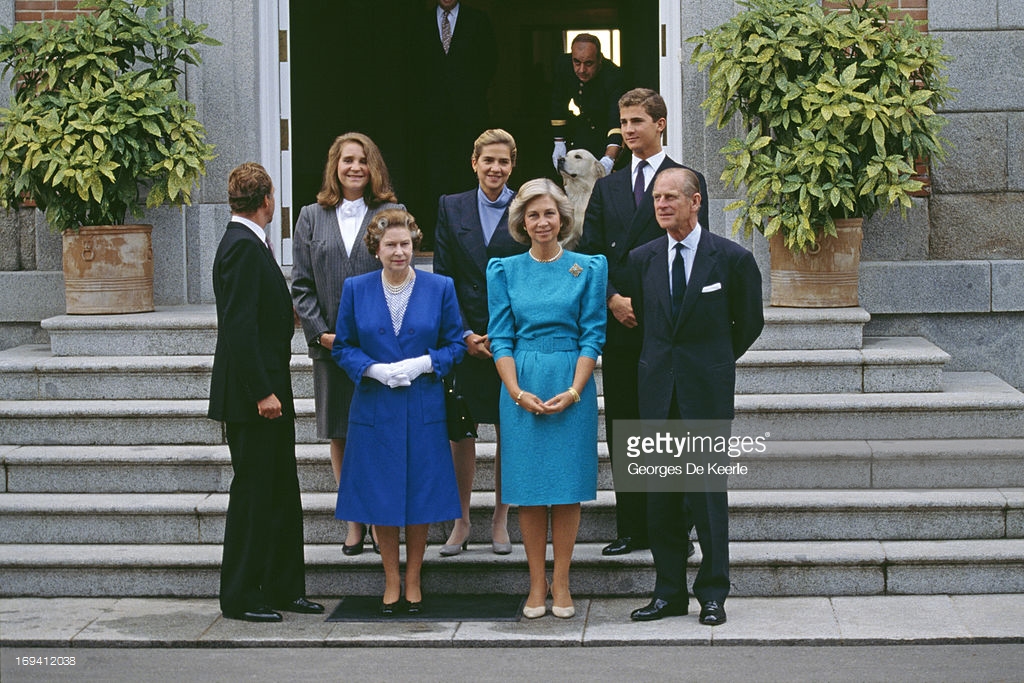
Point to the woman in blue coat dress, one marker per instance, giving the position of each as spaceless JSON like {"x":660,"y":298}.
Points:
{"x":398,"y":332}
{"x":547,"y":326}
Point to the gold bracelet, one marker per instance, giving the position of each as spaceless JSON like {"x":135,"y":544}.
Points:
{"x":521,"y":392}
{"x":575,"y":395}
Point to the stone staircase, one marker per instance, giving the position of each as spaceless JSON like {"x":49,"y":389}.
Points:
{"x":884,"y":474}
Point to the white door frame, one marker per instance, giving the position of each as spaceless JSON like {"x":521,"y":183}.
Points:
{"x":670,"y":73}
{"x":275,"y":115}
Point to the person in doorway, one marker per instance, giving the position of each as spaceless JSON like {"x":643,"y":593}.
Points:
{"x":584,"y":103}
{"x":454,"y":56}
{"x":327,"y":250}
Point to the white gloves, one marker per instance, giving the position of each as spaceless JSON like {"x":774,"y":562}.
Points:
{"x":558,"y":153}
{"x":387,"y":374}
{"x":414,"y":367}
{"x":400,"y":374}
{"x":607,"y":162}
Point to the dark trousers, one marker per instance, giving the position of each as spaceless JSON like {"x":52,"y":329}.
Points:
{"x":622,"y":402}
{"x":704,"y":505}
{"x":263,"y":561}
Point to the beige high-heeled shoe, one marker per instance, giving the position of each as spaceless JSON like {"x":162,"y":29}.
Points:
{"x":534,"y":612}
{"x":563,"y":612}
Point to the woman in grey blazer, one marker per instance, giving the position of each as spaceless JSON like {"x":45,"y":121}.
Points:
{"x":327,"y":248}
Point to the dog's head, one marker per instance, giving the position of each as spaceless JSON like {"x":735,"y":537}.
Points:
{"x":579,"y":164}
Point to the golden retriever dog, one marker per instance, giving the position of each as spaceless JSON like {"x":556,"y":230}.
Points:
{"x":579,"y":170}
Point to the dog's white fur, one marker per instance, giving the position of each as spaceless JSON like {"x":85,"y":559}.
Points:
{"x":579,"y":170}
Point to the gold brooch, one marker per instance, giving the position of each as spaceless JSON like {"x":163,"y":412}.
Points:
{"x":575,"y":270}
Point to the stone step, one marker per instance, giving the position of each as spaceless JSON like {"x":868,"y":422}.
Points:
{"x":971,"y":405}
{"x":776,"y":568}
{"x":192,"y":330}
{"x":817,"y":515}
{"x":910,"y":464}
{"x":35,"y":373}
{"x":884,"y":364}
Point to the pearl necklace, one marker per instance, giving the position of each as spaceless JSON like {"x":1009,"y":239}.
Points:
{"x":547,"y":260}
{"x":397,"y":289}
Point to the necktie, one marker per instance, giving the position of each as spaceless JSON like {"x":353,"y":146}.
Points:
{"x":638,"y":186}
{"x":270,"y":247}
{"x":446,"y":32}
{"x":678,"y":280}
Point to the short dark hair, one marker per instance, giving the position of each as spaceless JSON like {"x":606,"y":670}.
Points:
{"x":587,"y":38}
{"x":391,"y":218}
{"x":248,"y":185}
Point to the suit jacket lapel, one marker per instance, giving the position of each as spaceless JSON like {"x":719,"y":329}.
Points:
{"x":471,"y":233}
{"x":659,"y":274}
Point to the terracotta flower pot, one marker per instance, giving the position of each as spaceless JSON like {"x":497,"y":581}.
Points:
{"x":825,"y":278}
{"x":109,"y":269}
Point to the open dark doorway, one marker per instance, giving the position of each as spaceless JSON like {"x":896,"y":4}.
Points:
{"x":352,"y":69}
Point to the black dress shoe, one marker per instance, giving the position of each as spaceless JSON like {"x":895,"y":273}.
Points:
{"x":623,"y":546}
{"x":350,"y":550}
{"x":657,"y":609}
{"x":262,"y":615}
{"x":712,"y":614}
{"x":389,"y":609}
{"x":414,"y":608}
{"x":301,"y":606}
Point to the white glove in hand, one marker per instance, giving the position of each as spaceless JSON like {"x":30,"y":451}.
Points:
{"x":558,"y":153}
{"x":414,"y":367}
{"x":607,"y":162}
{"x":387,"y":374}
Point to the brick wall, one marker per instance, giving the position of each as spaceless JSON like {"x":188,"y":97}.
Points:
{"x":918,"y":9}
{"x":37,"y":10}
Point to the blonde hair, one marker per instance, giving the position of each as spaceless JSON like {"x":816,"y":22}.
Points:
{"x":534,"y":189}
{"x":495,"y":136}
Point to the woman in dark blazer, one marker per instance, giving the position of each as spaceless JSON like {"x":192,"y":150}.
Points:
{"x":398,"y":333}
{"x":327,"y":249}
{"x":472,"y":228}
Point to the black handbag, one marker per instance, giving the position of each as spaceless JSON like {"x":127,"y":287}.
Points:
{"x":460,"y":422}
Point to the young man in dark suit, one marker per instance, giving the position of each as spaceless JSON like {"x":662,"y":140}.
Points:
{"x":620,"y":217}
{"x":697,"y":298}
{"x":263,"y":568}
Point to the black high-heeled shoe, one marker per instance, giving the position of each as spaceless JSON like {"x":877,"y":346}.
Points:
{"x":373,"y":539}
{"x":414,"y":608}
{"x":355,"y":549}
{"x":388,"y":609}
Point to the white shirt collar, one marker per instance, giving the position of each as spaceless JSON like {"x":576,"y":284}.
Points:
{"x":654,"y":161}
{"x":689,"y":242}
{"x":453,"y":15}
{"x":257,"y":230}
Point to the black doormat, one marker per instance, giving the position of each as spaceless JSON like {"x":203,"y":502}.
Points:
{"x":489,"y":607}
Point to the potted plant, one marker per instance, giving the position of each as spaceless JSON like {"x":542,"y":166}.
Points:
{"x":95,"y":132}
{"x":836,"y":106}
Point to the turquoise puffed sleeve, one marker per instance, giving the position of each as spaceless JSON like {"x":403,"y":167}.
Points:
{"x":593,"y":316}
{"x":501,"y":329}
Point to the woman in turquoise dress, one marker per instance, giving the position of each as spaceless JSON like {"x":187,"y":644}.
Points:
{"x":547,"y":326}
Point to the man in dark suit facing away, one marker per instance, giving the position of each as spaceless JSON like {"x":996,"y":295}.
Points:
{"x":697,"y":298}
{"x":263,"y":568}
{"x":620,"y":217}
